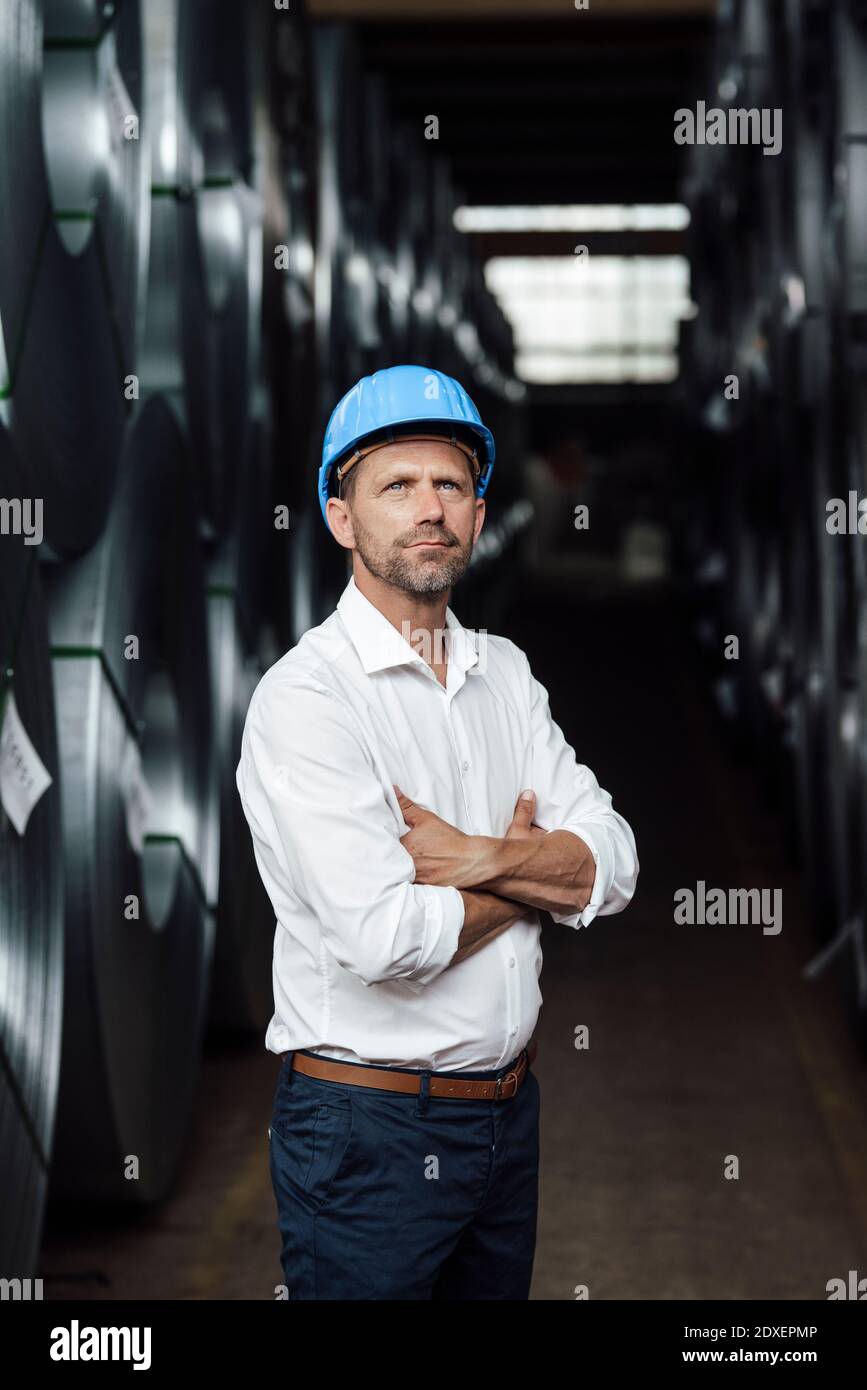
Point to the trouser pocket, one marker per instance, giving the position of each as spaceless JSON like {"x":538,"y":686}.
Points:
{"x":311,"y":1129}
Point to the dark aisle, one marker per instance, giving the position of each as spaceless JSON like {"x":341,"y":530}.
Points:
{"x":704,"y":1042}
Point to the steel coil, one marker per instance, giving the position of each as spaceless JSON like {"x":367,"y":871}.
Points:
{"x":214,"y":215}
{"x":836,"y":468}
{"x":400,"y":242}
{"x":850,"y":205}
{"x":377,"y":147}
{"x":807,"y":387}
{"x":130,"y":666}
{"x":343,"y":274}
{"x":31,"y":895}
{"x":241,"y":983}
{"x":161,"y":357}
{"x":856,"y":477}
{"x":73,"y":226}
{"x":241,"y":986}
{"x":427,"y":285}
{"x":290,"y":213}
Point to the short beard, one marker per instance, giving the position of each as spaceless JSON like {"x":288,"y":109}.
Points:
{"x":435,"y":577}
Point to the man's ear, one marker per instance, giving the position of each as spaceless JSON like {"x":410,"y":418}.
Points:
{"x":480,"y":518}
{"x":340,"y":521}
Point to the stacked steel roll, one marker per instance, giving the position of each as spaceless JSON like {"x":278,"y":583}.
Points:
{"x":31,"y":877}
{"x":201,"y":247}
{"x":130,"y":656}
{"x":780,"y":277}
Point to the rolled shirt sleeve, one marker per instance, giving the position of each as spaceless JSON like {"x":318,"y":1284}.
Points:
{"x":310,"y":790}
{"x":568,"y":797}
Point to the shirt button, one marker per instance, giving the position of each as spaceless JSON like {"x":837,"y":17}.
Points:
{"x":512,"y":1032}
{"x":511,"y":960}
{"x":465,"y":766}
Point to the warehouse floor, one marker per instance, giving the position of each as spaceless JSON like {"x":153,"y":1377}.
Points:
{"x":705,"y":1042}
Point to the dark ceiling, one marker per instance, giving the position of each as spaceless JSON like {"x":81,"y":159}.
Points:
{"x":549,"y":110}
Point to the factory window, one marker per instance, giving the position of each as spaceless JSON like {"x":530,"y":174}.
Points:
{"x":593,"y":318}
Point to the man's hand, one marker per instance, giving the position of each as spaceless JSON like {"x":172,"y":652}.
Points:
{"x":521,"y":826}
{"x":557,"y":876}
{"x":444,"y":855}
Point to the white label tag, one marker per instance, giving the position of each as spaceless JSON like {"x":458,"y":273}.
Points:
{"x":23,"y":775}
{"x":136,"y":795}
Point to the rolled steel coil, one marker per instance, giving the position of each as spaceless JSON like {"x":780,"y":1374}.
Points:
{"x":31,"y":899}
{"x":342,"y":273}
{"x":456,"y":273}
{"x":241,"y":997}
{"x":856,"y":476}
{"x":213,"y":219}
{"x":833,"y":365}
{"x":73,"y":227}
{"x":382,"y":211}
{"x":807,"y":387}
{"x":290,"y":219}
{"x":422,"y":216}
{"x":849,"y":210}
{"x":400,"y":244}
{"x":161,"y":357}
{"x":130,"y":666}
{"x":241,"y":987}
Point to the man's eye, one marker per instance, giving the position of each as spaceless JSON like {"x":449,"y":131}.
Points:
{"x":400,"y":482}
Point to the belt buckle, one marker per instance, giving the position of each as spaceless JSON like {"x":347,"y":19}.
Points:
{"x":510,"y":1076}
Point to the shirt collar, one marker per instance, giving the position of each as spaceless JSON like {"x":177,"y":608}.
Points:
{"x":379,"y":643}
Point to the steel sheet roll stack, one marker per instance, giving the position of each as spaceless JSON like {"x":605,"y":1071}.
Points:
{"x":292,"y":308}
{"x":215,"y":207}
{"x":241,"y":985}
{"x":401,"y":193}
{"x":780,"y":276}
{"x":130,"y":657}
{"x":376,"y":121}
{"x":341,"y":271}
{"x":161,"y":362}
{"x":73,"y":228}
{"x":288,"y":180}
{"x":31,"y":891}
{"x":202,"y":245}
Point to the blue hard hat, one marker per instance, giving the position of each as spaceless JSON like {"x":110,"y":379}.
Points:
{"x":392,"y":399}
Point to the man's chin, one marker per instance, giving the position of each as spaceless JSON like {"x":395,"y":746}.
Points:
{"x":431,"y":559}
{"x":432,"y":571}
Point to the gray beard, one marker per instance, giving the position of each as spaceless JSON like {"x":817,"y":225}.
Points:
{"x":434,"y":576}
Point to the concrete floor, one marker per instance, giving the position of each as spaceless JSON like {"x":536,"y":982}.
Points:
{"x":705,"y":1042}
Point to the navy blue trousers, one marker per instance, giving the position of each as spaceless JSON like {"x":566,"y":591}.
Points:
{"x":389,"y":1196}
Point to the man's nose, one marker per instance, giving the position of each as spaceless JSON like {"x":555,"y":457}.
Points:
{"x":428,"y":504}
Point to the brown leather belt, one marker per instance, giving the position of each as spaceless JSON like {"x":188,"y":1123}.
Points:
{"x":440,"y":1083}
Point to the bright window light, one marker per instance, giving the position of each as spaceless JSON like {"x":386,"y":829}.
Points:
{"x":575,"y":217}
{"x":596,"y":319}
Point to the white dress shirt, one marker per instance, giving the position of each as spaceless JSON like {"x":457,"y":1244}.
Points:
{"x":361,"y":952}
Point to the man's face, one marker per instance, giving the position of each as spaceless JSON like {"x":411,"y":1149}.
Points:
{"x":414,"y":516}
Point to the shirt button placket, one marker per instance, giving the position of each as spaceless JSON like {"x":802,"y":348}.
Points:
{"x":463,"y":764}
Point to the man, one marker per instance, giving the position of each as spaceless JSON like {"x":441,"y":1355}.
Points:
{"x":385,"y":771}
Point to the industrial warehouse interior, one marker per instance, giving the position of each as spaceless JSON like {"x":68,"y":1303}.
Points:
{"x":634,"y":233}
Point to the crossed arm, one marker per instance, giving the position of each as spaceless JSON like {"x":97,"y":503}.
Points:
{"x":554,"y":870}
{"x":499,"y":878}
{"x":391,"y":908}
